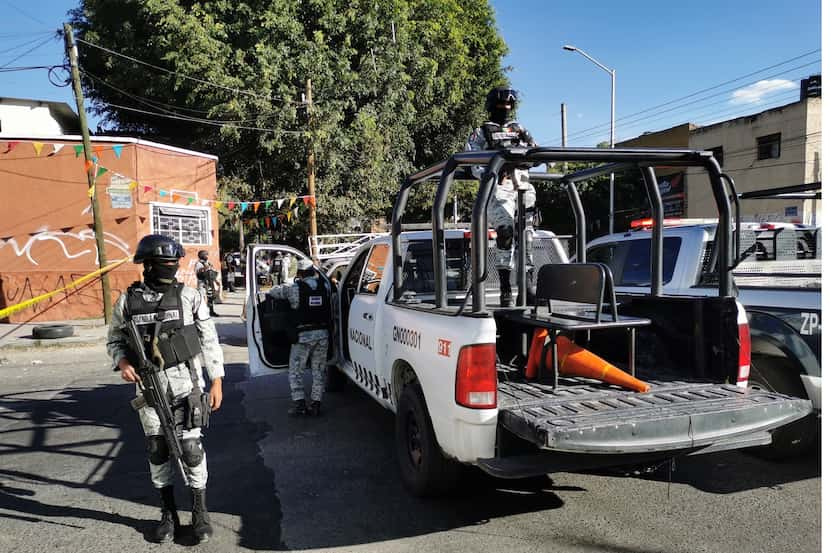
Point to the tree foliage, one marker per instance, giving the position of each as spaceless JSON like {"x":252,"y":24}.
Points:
{"x":397,"y":84}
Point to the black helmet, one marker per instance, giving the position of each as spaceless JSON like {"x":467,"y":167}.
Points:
{"x":501,"y":95}
{"x":157,"y":246}
{"x":203,"y":255}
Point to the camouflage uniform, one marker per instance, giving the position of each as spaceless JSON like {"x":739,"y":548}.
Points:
{"x":312,"y":344}
{"x":206,"y":287}
{"x":176,"y":380}
{"x":502,"y":209}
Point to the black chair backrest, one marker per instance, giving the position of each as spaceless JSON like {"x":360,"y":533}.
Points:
{"x":586,"y":283}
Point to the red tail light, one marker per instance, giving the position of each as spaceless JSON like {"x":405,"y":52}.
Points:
{"x":475,"y":377}
{"x":744,"y":354}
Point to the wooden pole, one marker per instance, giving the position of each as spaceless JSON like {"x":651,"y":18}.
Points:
{"x":97,"y":226}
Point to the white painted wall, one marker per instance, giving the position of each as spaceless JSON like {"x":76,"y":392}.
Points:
{"x":27,"y":119}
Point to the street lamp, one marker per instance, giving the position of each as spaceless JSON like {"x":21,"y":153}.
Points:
{"x":613,"y":74}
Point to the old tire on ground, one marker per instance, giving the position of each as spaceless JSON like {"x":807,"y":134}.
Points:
{"x":335,"y":379}
{"x":50,"y":332}
{"x":424,"y":468}
{"x":779,"y":374}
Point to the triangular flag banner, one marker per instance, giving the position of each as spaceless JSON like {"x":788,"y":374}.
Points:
{"x":295,"y":212}
{"x":117,"y":150}
{"x":56,"y":148}
{"x":90,"y":191}
{"x":120,"y":220}
{"x":274,"y":221}
{"x":243,"y":206}
{"x":173,"y":196}
{"x":38,"y":146}
{"x":133,"y":184}
{"x":205,"y":202}
{"x":189,"y":201}
{"x":231,"y":205}
{"x":313,"y":201}
{"x":267,"y":222}
{"x":101,"y":171}
{"x":88,"y":165}
{"x":280,"y":202}
{"x":217,"y":205}
{"x":288,"y":216}
{"x":98,"y":150}
{"x":162,"y":193}
{"x":10,"y":147}
{"x":256,"y":206}
{"x":293,"y":201}
{"x":147,"y":188}
{"x":78,"y":150}
{"x":142,"y":219}
{"x":95,"y":159}
{"x":306,"y":200}
{"x":66,"y":229}
{"x":268,"y":204}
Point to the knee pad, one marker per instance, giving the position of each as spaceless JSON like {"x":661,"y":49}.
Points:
{"x":192,"y":452}
{"x":157,"y":450}
{"x":504,"y":238}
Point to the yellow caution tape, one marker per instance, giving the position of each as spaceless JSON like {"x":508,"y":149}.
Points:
{"x":95,"y":274}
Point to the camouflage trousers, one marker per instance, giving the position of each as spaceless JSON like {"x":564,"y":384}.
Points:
{"x":316,"y":351}
{"x":164,"y":474}
{"x":500,"y":216}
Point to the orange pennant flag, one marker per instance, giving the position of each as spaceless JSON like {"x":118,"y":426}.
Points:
{"x":98,"y":150}
{"x":256,"y":206}
{"x":88,"y":165}
{"x":38,"y":146}
{"x":313,"y":201}
{"x":173,"y":197}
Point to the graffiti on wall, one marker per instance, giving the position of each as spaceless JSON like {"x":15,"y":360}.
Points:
{"x":68,"y":241}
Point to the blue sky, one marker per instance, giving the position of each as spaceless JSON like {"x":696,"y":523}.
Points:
{"x":660,"y":50}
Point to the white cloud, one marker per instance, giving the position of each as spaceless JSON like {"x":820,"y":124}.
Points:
{"x":754,"y":93}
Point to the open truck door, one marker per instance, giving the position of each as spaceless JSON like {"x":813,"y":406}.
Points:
{"x":271,"y":323}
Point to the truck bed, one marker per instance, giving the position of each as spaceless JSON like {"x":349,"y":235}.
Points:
{"x":583,"y":416}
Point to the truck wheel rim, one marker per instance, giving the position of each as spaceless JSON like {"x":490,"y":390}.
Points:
{"x":414,"y":440}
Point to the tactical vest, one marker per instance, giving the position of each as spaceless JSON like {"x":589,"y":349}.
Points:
{"x":314,"y":309}
{"x":498,"y":136}
{"x":177,"y":342}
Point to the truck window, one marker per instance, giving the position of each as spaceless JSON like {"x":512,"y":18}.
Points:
{"x":373,"y":273}
{"x":418,"y":275}
{"x":630,"y":261}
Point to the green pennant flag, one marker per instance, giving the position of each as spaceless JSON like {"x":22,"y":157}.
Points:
{"x":189,"y":201}
{"x":268,"y":203}
{"x":101,"y":171}
{"x":79,"y":149}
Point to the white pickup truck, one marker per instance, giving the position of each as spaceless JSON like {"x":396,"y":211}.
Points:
{"x":781,"y":295}
{"x":416,"y":329}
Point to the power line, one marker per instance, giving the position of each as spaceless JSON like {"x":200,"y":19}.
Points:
{"x":583,"y":134}
{"x":21,"y":11}
{"x":699,"y":91}
{"x":29,"y":51}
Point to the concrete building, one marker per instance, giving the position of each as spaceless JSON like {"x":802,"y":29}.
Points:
{"x":774,"y":148}
{"x":20,"y":117}
{"x":46,"y":236}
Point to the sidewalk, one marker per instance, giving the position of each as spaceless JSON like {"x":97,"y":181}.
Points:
{"x":90,"y":332}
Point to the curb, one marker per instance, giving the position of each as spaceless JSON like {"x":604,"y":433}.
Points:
{"x":33,"y":345}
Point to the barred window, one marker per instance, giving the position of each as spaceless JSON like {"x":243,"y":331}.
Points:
{"x":188,"y":225}
{"x":769,"y":147}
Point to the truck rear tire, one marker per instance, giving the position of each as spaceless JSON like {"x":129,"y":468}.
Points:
{"x":779,"y":374}
{"x":424,"y":468}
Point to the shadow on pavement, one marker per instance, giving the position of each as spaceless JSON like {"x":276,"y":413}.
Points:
{"x":90,"y":439}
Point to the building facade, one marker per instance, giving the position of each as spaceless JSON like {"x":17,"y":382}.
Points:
{"x":774,"y":148}
{"x":22,"y":117}
{"x":46,"y":232}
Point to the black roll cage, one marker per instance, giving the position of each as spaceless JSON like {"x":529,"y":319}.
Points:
{"x":615,"y":160}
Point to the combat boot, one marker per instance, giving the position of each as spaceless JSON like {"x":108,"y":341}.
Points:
{"x":169,"y":524}
{"x":201,"y":520}
{"x":314,"y":409}
{"x":506,"y":297}
{"x":298,"y":408}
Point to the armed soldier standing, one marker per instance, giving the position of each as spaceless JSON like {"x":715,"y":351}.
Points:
{"x":501,"y":132}
{"x":206,"y":278}
{"x":173,"y":322}
{"x":310,"y":296}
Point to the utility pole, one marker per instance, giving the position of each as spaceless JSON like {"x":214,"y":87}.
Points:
{"x":72,"y":53}
{"x":564,"y":118}
{"x":313,"y":202}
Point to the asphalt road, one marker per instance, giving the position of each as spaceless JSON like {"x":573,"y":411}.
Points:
{"x":73,"y":477}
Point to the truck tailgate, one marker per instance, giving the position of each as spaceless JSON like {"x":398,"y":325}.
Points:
{"x":581,"y":417}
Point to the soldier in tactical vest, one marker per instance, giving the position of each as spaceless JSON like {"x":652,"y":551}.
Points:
{"x":309,"y":295}
{"x":502,"y":132}
{"x":206,"y":279}
{"x":175,"y":326}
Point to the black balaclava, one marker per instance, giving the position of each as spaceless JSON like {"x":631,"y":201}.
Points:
{"x":500,"y":114}
{"x":159,"y":275}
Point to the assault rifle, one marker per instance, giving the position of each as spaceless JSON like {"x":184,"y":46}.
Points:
{"x":154,"y":395}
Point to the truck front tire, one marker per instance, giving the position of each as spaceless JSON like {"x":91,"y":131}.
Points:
{"x":780,"y":375}
{"x":424,"y":468}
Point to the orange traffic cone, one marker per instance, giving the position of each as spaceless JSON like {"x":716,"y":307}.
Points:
{"x":578,"y":361}
{"x":534,"y":356}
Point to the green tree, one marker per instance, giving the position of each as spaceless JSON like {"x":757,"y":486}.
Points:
{"x":396,"y":85}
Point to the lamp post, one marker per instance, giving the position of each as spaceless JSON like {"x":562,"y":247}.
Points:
{"x":613,"y":74}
